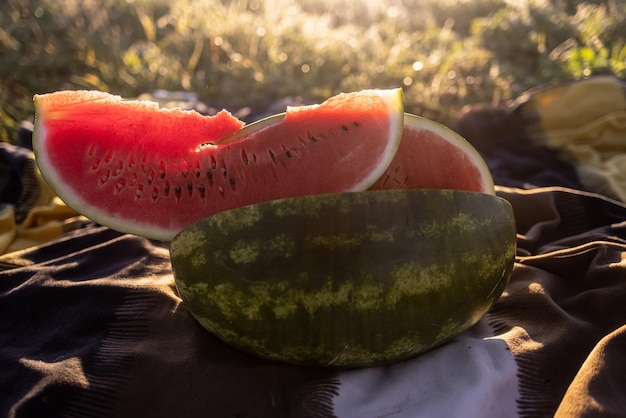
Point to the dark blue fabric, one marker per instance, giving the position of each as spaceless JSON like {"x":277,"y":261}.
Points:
{"x":18,"y":181}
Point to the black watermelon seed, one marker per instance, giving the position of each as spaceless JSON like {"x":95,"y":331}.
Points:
{"x":272,"y":156}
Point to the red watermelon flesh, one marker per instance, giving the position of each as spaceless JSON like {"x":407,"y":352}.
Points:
{"x":151,"y":172}
{"x":432,"y":156}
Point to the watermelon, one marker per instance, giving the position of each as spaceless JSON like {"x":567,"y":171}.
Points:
{"x":349,"y":279}
{"x":151,"y":172}
{"x":341,"y":234}
{"x":432,"y":156}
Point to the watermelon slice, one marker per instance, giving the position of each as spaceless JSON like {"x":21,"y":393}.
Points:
{"x":432,"y":156}
{"x":148,"y":171}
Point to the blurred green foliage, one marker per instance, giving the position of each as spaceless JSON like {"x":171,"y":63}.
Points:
{"x":233,"y":53}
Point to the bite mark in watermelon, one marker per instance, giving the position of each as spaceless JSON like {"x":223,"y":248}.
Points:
{"x":151,"y":172}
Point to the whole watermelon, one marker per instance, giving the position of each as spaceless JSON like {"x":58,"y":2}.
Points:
{"x":348,"y":279}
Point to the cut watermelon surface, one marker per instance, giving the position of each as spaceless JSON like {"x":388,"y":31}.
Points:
{"x":148,"y":171}
{"x":432,"y":156}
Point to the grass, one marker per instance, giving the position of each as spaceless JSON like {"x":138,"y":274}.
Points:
{"x":445,"y":54}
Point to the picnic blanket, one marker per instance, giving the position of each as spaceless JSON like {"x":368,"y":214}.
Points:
{"x":92,"y":325}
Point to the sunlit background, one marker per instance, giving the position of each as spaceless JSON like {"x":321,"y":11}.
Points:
{"x":446,"y":54}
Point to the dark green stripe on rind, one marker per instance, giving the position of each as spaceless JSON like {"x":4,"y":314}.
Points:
{"x":350,"y":279}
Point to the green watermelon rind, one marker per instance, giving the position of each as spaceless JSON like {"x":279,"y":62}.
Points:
{"x":347,"y":280}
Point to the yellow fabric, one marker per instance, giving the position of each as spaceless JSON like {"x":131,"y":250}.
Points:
{"x":577,"y":104}
{"x":586,"y":122}
{"x":49,"y":218}
{"x":7,"y":227}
